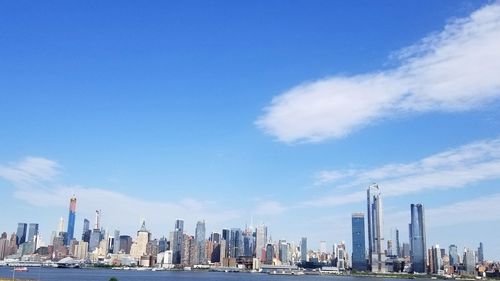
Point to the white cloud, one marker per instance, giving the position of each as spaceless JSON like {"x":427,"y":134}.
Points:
{"x":34,"y":182}
{"x":31,"y":170}
{"x":454,"y":70}
{"x":454,"y":168}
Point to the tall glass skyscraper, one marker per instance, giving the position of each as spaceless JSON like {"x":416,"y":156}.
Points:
{"x":235,"y":243}
{"x":21,"y":233}
{"x":376,"y":252}
{"x":303,"y":250}
{"x":453,"y":253}
{"x":358,"y":242}
{"x":71,"y":221}
{"x":417,"y":238}
{"x":200,"y":242}
{"x":480,"y":253}
{"x":32,"y":232}
{"x":177,"y":243}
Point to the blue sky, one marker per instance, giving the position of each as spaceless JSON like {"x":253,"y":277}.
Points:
{"x":277,"y":110}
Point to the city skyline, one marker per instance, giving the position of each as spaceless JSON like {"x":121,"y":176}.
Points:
{"x":238,"y":114}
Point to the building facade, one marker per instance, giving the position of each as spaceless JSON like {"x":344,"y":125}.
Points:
{"x":358,"y":242}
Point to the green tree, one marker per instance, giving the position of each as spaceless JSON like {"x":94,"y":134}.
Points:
{"x":113,"y":279}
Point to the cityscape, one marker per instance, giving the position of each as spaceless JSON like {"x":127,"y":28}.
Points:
{"x":215,"y":140}
{"x":246,"y":249}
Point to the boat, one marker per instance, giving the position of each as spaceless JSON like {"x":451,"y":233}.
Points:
{"x":20,"y":269}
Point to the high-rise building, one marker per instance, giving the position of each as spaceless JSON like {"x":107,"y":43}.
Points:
{"x":480,"y":253}
{"x":470,"y":261}
{"x":71,"y":221}
{"x":235,"y":243}
{"x":398,"y":245}
{"x":21,"y":233}
{"x":376,"y":250}
{"x":32,"y":237}
{"x":139,"y":246}
{"x":358,"y":242}
{"x":260,"y":242}
{"x":125,"y":244}
{"x":453,"y":253}
{"x":435,"y":261}
{"x":248,"y":246}
{"x":178,"y":237}
{"x":86,"y":231}
{"x":200,"y":242}
{"x":116,"y":242}
{"x":283,"y":250}
{"x":269,"y":253}
{"x":303,"y":250}
{"x":417,"y":238}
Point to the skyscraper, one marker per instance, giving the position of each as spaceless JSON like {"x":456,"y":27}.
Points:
{"x":480,"y":253}
{"x":71,"y":221}
{"x":32,"y":232}
{"x":235,"y":243}
{"x":33,"y":236}
{"x":417,"y":238}
{"x":86,"y":231}
{"x":375,"y":232}
{"x":303,"y":250}
{"x":470,"y":261}
{"x":178,"y":236}
{"x":398,"y":245}
{"x":21,"y":233}
{"x":453,"y":253}
{"x":260,"y":242}
{"x":358,"y":242}
{"x":200,"y":242}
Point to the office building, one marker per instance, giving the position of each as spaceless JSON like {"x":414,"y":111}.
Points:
{"x":200,"y":243}
{"x":417,"y":238}
{"x":303,"y":250}
{"x":358,"y":242}
{"x":453,"y":254}
{"x":86,"y":231}
{"x":21,"y":233}
{"x":376,"y":251}
{"x":260,"y":242}
{"x":71,"y":221}
{"x":480,"y":253}
{"x":177,"y":239}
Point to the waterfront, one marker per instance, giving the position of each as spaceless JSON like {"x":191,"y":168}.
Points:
{"x":56,"y":274}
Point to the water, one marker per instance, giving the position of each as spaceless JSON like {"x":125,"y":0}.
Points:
{"x":61,"y":274}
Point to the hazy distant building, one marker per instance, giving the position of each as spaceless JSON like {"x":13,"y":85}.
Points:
{"x":303,"y":250}
{"x":470,"y":261}
{"x":358,"y":242}
{"x":177,"y":239}
{"x":235,"y":243}
{"x":71,"y":221}
{"x":32,"y":238}
{"x":398,"y":245}
{"x":417,"y":238}
{"x":200,"y":243}
{"x":480,"y":253}
{"x":260,"y":242}
{"x":125,"y":244}
{"x":375,"y":229}
{"x":269,"y":253}
{"x":248,"y":246}
{"x":21,"y":233}
{"x":86,"y":231}
{"x":140,"y":245}
{"x":4,"y":247}
{"x":453,"y":254}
